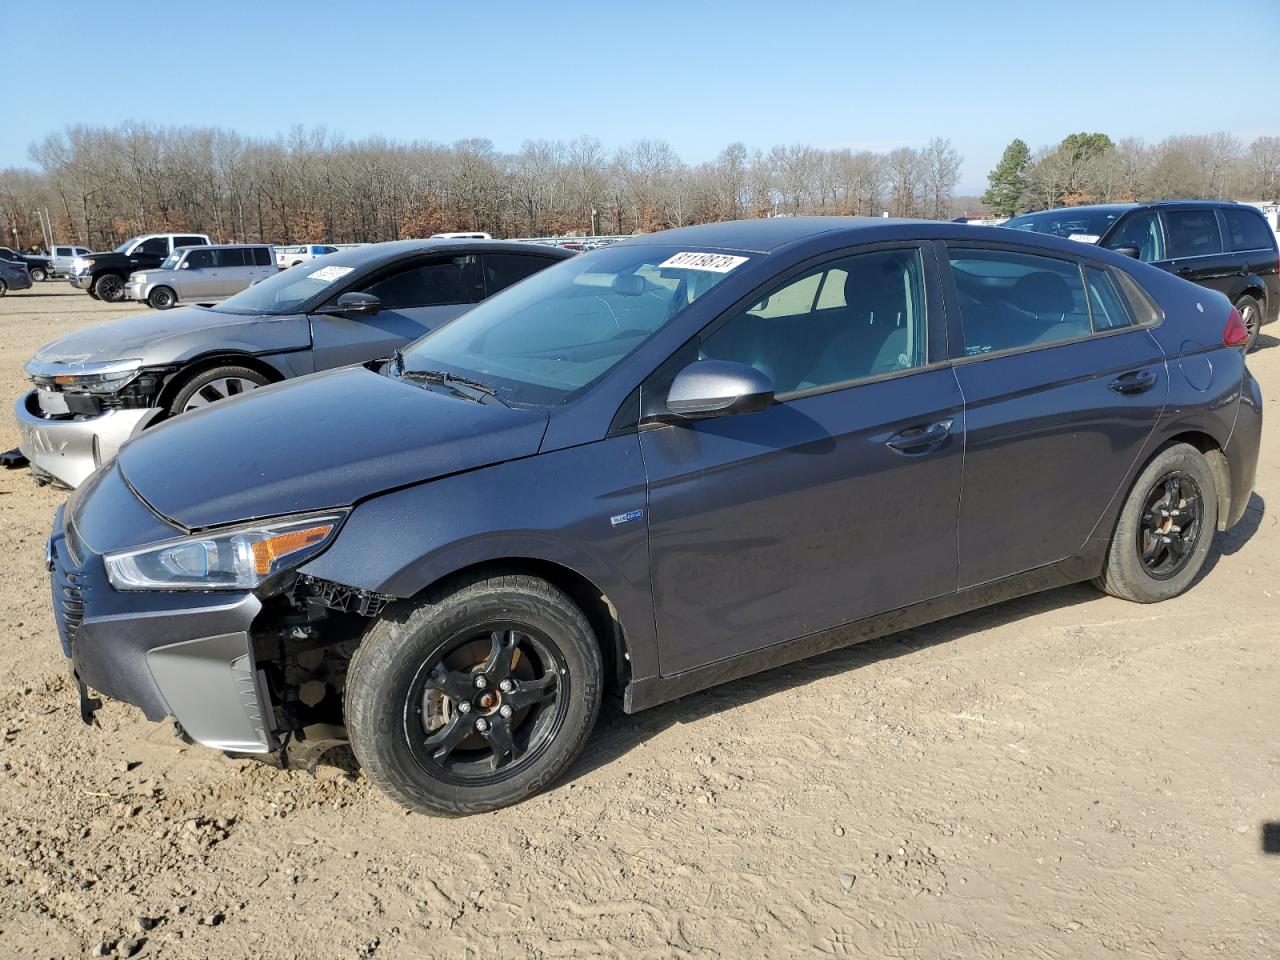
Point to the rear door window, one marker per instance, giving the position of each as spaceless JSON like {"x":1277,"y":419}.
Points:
{"x":190,"y":241}
{"x":1192,"y":233}
{"x":1010,"y":300}
{"x":231,"y":257}
{"x":501,"y":270}
{"x":1247,"y":230}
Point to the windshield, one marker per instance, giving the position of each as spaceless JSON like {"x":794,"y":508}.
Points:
{"x":565,"y":327}
{"x":1082,"y":223}
{"x":171,"y":261}
{"x":286,"y":291}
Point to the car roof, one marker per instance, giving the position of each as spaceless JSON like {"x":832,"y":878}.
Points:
{"x":820,"y":234}
{"x":372,"y":253}
{"x":1145,"y":205}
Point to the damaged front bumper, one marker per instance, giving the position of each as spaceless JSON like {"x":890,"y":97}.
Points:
{"x":179,"y":654}
{"x":65,"y":447}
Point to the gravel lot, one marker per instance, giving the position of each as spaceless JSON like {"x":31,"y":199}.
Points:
{"x":1066,"y":775}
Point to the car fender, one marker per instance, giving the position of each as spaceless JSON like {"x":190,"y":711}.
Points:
{"x":580,"y":508}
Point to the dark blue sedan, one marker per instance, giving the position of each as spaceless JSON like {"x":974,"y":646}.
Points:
{"x":652,"y":468}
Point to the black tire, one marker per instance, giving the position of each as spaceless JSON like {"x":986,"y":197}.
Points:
{"x":1250,"y":311}
{"x":109,"y":287}
{"x":92,"y":295}
{"x":4,"y":288}
{"x":203,"y":388}
{"x":162,"y":298}
{"x":420,"y":650}
{"x":38,"y":274}
{"x":1165,"y":529}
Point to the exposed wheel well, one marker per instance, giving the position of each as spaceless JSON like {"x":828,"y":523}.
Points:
{"x":600,"y":612}
{"x":1217,"y":463}
{"x":180,"y":379}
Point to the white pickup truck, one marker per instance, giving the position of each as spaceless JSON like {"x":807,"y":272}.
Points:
{"x":301,"y":252}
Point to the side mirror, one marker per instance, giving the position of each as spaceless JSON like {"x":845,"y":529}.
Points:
{"x":1128,"y":252}
{"x":357,"y":304}
{"x":716,"y":388}
{"x":184,"y":266}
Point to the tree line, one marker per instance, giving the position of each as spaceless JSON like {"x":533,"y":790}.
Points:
{"x":101,"y":185}
{"x":1092,"y":168}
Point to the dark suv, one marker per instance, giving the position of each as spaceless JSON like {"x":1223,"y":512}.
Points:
{"x":1228,"y":247}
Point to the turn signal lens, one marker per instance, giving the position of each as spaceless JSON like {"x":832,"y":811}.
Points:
{"x":1236,"y":334}
{"x":267,"y":552}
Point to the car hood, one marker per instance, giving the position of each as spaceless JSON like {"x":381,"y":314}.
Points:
{"x":327,"y":440}
{"x":145,"y":336}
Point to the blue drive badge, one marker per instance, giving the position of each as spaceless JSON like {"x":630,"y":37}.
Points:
{"x":626,"y":517}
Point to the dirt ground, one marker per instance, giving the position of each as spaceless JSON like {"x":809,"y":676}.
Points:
{"x":1066,"y":775}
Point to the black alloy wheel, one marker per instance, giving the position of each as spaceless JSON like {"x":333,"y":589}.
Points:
{"x":1171,"y":525}
{"x":486,"y":707}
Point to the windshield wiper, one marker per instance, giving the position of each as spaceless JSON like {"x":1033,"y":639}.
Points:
{"x":458,"y":385}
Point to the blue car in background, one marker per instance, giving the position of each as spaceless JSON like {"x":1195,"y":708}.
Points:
{"x":648,"y":469}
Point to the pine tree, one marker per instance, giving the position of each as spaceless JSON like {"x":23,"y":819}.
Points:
{"x":1008,"y":181}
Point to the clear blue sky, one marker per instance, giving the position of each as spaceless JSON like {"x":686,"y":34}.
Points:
{"x":876,"y":74}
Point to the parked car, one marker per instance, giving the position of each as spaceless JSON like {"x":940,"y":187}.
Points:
{"x":38,"y":267}
{"x":13,"y":276}
{"x":655,"y":467}
{"x":63,"y":256}
{"x":1228,"y":247}
{"x":105,"y":275}
{"x":95,"y":388}
{"x":202,"y":274}
{"x":293,"y":255}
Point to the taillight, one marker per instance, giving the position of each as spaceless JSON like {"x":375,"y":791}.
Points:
{"x":1236,"y":334}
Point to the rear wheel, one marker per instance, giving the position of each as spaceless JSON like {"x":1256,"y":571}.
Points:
{"x":4,"y":288}
{"x":1251,"y":313}
{"x":162,"y":298}
{"x":216,"y":383}
{"x":475,"y":698}
{"x":1165,"y":528}
{"x":38,"y":274}
{"x":109,"y":287}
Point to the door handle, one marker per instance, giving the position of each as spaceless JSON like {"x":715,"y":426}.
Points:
{"x":917,"y":438}
{"x":1183,"y":271}
{"x":1133,"y":382}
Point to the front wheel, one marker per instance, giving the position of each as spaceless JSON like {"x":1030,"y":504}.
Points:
{"x":216,"y":383}
{"x":162,"y":298}
{"x":109,"y":287}
{"x":1165,"y":528}
{"x":476,"y":697}
{"x":1250,"y":311}
{"x":4,"y":288}
{"x":38,"y":274}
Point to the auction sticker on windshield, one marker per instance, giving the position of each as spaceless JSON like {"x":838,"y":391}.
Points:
{"x":715,"y":262}
{"x":329,"y":274}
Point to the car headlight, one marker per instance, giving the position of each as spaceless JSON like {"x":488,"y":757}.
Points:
{"x":105,"y":376}
{"x":238,"y":558}
{"x":138,"y":277}
{"x":80,"y":263}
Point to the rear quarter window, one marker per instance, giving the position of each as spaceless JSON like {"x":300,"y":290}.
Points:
{"x":1246,"y":230}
